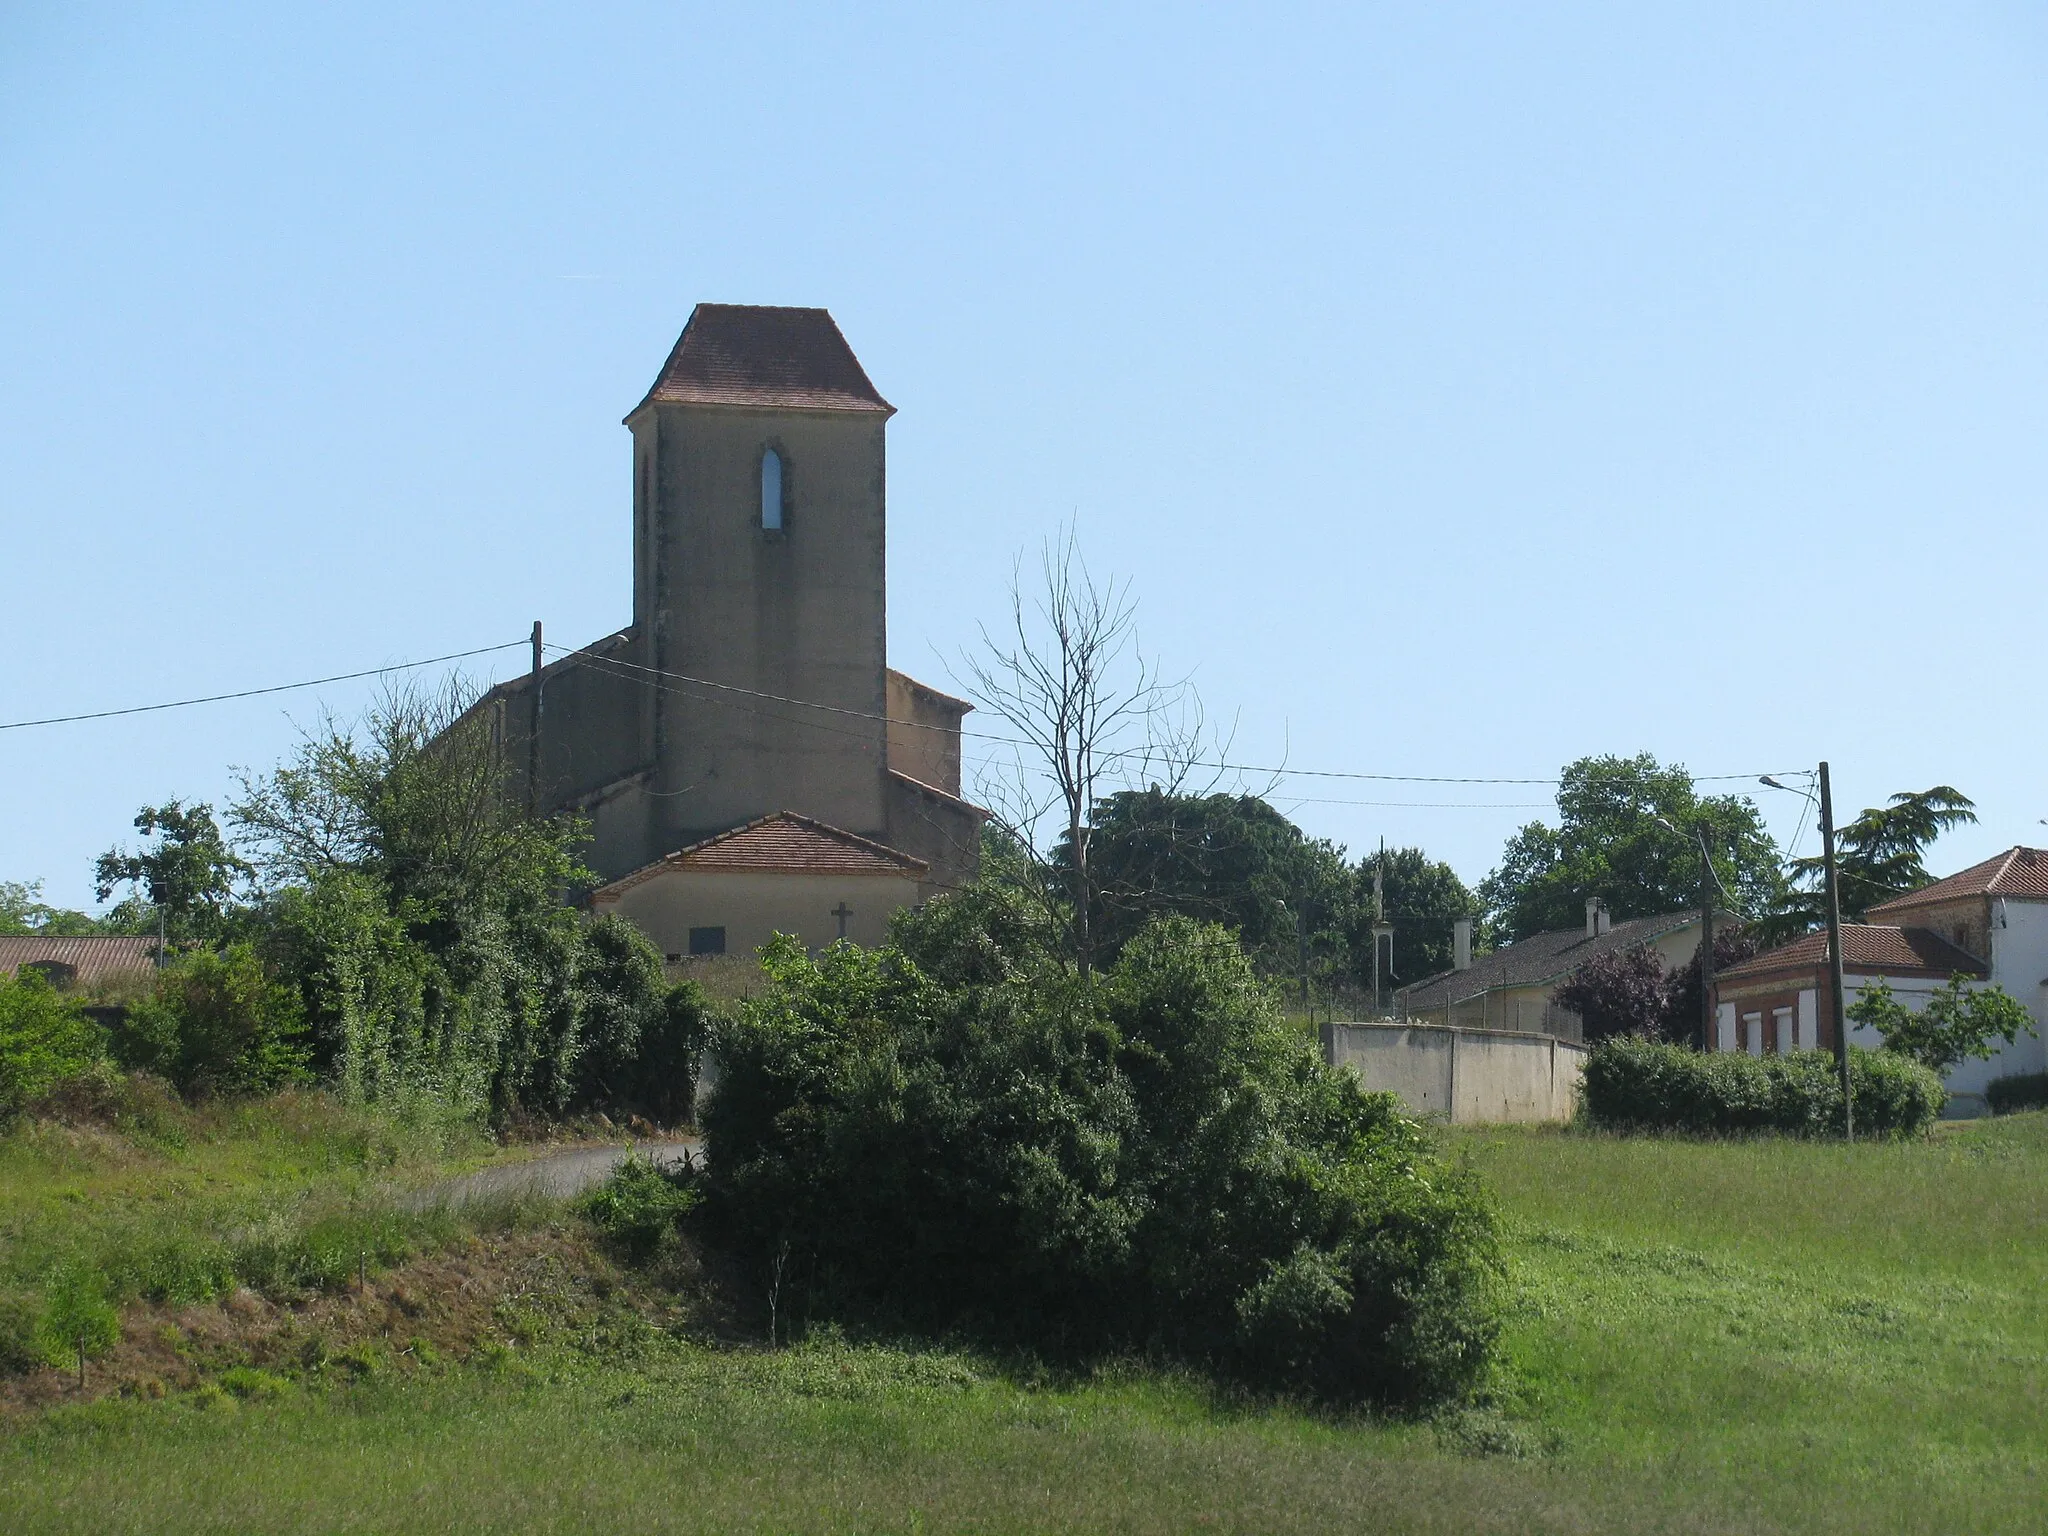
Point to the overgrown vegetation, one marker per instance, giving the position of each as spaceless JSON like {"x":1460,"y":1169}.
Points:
{"x":959,"y":1132}
{"x":1637,"y":1084}
{"x":390,"y":921}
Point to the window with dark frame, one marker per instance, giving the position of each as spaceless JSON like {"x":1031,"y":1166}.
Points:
{"x":707,"y":941}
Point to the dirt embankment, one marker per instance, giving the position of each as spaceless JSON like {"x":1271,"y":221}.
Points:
{"x":492,"y":1294}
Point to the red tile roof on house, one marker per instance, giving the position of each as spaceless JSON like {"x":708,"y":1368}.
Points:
{"x":91,"y":957}
{"x":1867,"y":948}
{"x":752,"y":354}
{"x":782,"y":843}
{"x":2018,"y":871}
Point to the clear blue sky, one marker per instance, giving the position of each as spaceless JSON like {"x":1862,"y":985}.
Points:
{"x":1464,"y":389}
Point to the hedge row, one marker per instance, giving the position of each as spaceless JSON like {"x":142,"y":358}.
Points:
{"x":1636,"y":1084}
{"x":2024,"y":1090}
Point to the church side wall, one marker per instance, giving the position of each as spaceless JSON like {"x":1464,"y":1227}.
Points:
{"x":754,"y":906}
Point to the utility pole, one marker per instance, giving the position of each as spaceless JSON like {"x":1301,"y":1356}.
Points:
{"x":1301,"y":953}
{"x":533,"y":731}
{"x":1837,"y":1005}
{"x":1706,"y":942}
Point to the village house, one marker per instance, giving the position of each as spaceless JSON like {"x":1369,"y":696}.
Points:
{"x":748,"y":761}
{"x":1512,"y":988}
{"x":1988,"y":923}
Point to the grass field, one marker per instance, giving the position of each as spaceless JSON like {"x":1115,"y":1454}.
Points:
{"x":1740,"y":1336}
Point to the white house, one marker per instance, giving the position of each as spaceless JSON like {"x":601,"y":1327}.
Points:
{"x":1988,"y":923}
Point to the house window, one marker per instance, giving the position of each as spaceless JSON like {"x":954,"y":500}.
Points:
{"x":707,"y":941}
{"x":1782,"y":1018}
{"x":1724,"y":1027}
{"x":771,"y":491}
{"x":1753,"y":1028}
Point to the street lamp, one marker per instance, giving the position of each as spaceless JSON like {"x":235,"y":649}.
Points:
{"x":1838,"y":1010}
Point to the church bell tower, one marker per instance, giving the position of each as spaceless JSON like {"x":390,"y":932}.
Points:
{"x":759,"y":577}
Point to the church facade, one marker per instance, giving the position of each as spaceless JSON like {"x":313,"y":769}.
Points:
{"x":742,"y":749}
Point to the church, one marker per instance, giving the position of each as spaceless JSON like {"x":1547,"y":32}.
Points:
{"x":747,"y":759}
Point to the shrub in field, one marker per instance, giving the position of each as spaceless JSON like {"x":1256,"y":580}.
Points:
{"x":218,"y":1023}
{"x":640,"y":1204}
{"x":1636,"y":1084}
{"x":45,"y":1039}
{"x":959,"y":1133}
{"x":77,"y":1318}
{"x":2023,"y":1090}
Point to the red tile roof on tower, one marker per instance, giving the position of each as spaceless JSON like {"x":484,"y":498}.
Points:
{"x":1867,"y":948}
{"x":88,"y":956}
{"x":782,"y":843}
{"x":758,"y":355}
{"x":2018,"y":871}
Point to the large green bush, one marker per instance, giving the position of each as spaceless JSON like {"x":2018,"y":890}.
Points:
{"x":1635,"y":1084}
{"x":45,"y":1038}
{"x":218,"y":1023}
{"x":956,"y":1133}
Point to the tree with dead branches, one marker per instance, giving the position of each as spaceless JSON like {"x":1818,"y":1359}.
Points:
{"x":1087,"y":710}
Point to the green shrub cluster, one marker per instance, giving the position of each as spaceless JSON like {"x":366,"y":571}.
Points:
{"x":45,"y":1039}
{"x":1637,"y":1084}
{"x":2021,"y":1090}
{"x":641,"y":1204}
{"x":957,"y":1133}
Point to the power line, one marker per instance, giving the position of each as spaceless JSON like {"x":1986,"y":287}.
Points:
{"x":1012,"y":741}
{"x":250,"y":693}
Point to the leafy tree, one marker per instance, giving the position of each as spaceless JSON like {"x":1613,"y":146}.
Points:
{"x":1962,"y":1023}
{"x":1228,"y":859}
{"x":1733,"y":944}
{"x":1608,"y":843}
{"x":22,"y":911}
{"x":1622,"y":992}
{"x":190,"y":876}
{"x":45,"y":1038}
{"x":1879,"y":855}
{"x":1423,"y":898}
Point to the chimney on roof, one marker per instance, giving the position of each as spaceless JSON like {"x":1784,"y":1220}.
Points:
{"x":1596,"y":917}
{"x":1461,"y":944}
{"x":1604,"y":923}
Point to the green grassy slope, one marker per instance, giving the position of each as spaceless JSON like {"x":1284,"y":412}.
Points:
{"x":1741,"y":1336}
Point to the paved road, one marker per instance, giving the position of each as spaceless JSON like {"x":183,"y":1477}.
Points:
{"x":555,"y":1175}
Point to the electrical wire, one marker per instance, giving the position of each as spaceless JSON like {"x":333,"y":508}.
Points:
{"x":619,"y":668}
{"x":250,"y":693}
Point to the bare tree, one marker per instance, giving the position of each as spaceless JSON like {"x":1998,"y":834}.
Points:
{"x":1085,"y":707}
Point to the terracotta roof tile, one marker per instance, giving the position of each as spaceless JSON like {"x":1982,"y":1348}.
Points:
{"x":1866,"y":947}
{"x":2018,"y":871}
{"x":783,"y":843}
{"x":92,"y":956}
{"x":751,"y":354}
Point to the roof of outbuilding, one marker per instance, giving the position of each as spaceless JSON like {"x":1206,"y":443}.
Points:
{"x":92,"y":956}
{"x":1541,"y":958}
{"x":1866,"y":947}
{"x":2019,"y":871}
{"x":781,"y":843}
{"x":765,"y":356}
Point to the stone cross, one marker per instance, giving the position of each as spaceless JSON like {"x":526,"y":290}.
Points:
{"x":842,"y":912}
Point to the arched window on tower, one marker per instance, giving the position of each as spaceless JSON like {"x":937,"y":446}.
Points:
{"x":771,"y":491}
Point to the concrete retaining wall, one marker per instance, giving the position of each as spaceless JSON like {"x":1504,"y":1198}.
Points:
{"x":1468,"y":1076}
